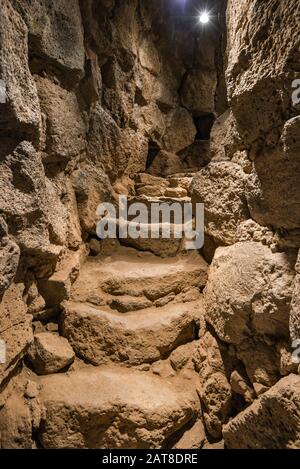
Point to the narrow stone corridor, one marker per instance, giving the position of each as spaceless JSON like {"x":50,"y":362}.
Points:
{"x":160,"y":341}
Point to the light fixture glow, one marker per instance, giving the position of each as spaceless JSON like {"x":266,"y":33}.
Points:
{"x":204,"y":17}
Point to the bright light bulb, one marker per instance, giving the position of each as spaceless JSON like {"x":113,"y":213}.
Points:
{"x":204,"y":17}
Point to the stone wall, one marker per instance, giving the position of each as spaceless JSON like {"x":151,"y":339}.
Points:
{"x":251,"y":193}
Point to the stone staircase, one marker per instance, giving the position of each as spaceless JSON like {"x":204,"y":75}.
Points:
{"x":151,"y":190}
{"x":134,"y":307}
{"x":133,"y":318}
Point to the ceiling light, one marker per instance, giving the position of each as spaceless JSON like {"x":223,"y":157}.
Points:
{"x":204,"y":17}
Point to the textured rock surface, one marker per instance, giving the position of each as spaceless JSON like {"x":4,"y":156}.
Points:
{"x":221,"y":187}
{"x":15,"y":329}
{"x":257,"y":69}
{"x":215,"y":390}
{"x":271,"y":422}
{"x":102,"y":98}
{"x":193,"y":438}
{"x":198,"y":91}
{"x":64,"y":128}
{"x":249,"y":291}
{"x":275,"y":201}
{"x":9,"y":258}
{"x":21,"y":415}
{"x":295,"y":308}
{"x":30,"y":203}
{"x":140,"y":337}
{"x":50,"y":353}
{"x":55,"y":35}
{"x":21,"y":111}
{"x":92,"y":409}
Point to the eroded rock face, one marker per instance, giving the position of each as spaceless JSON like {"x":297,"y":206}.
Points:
{"x":92,"y":187}
{"x":221,"y":187}
{"x":295,"y":308}
{"x":225,"y":140}
{"x":92,"y":409}
{"x":29,"y":202}
{"x":249,"y":291}
{"x":50,"y":353}
{"x":259,"y":70}
{"x":21,"y":415}
{"x":175,"y":141}
{"x":271,"y":422}
{"x":215,"y":390}
{"x":9,"y":258}
{"x":198,"y":91}
{"x":21,"y":110}
{"x":64,"y":127}
{"x":275,"y":201}
{"x":55,"y":35}
{"x":15,"y":329}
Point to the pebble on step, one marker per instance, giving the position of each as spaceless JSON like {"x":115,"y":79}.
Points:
{"x":50,"y":353}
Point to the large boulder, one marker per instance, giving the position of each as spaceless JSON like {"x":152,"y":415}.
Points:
{"x":165,"y":164}
{"x":180,"y":130}
{"x":50,"y":353}
{"x":272,"y":189}
{"x":64,"y":127}
{"x":92,"y":187}
{"x":198,"y":90}
{"x":15,"y":329}
{"x":249,"y":290}
{"x":271,"y":422}
{"x":93,"y":408}
{"x":30,"y":203}
{"x":104,"y":143}
{"x":21,"y":109}
{"x":224,"y":138}
{"x":148,"y":56}
{"x":20,"y":413}
{"x":221,"y":187}
{"x":295,"y":308}
{"x":55,"y":36}
{"x":259,"y":71}
{"x":215,"y":390}
{"x":9,"y":258}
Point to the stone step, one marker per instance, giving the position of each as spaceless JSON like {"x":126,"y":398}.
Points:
{"x":113,"y":408}
{"x":146,"y":179}
{"x":128,"y":272}
{"x":161,"y":191}
{"x":180,"y":181}
{"x":176,"y":186}
{"x":99,"y":335}
{"x":165,"y":205}
{"x":162,"y":239}
{"x":148,"y":200}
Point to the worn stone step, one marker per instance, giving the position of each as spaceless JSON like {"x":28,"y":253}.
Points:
{"x":113,"y":408}
{"x":162,"y":239}
{"x":165,"y":205}
{"x":149,"y":180}
{"x":183,"y":181}
{"x":128,"y":272}
{"x":99,"y":335}
{"x":148,"y":200}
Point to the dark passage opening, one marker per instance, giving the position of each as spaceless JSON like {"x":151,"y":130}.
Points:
{"x":153,"y":150}
{"x":204,"y":123}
